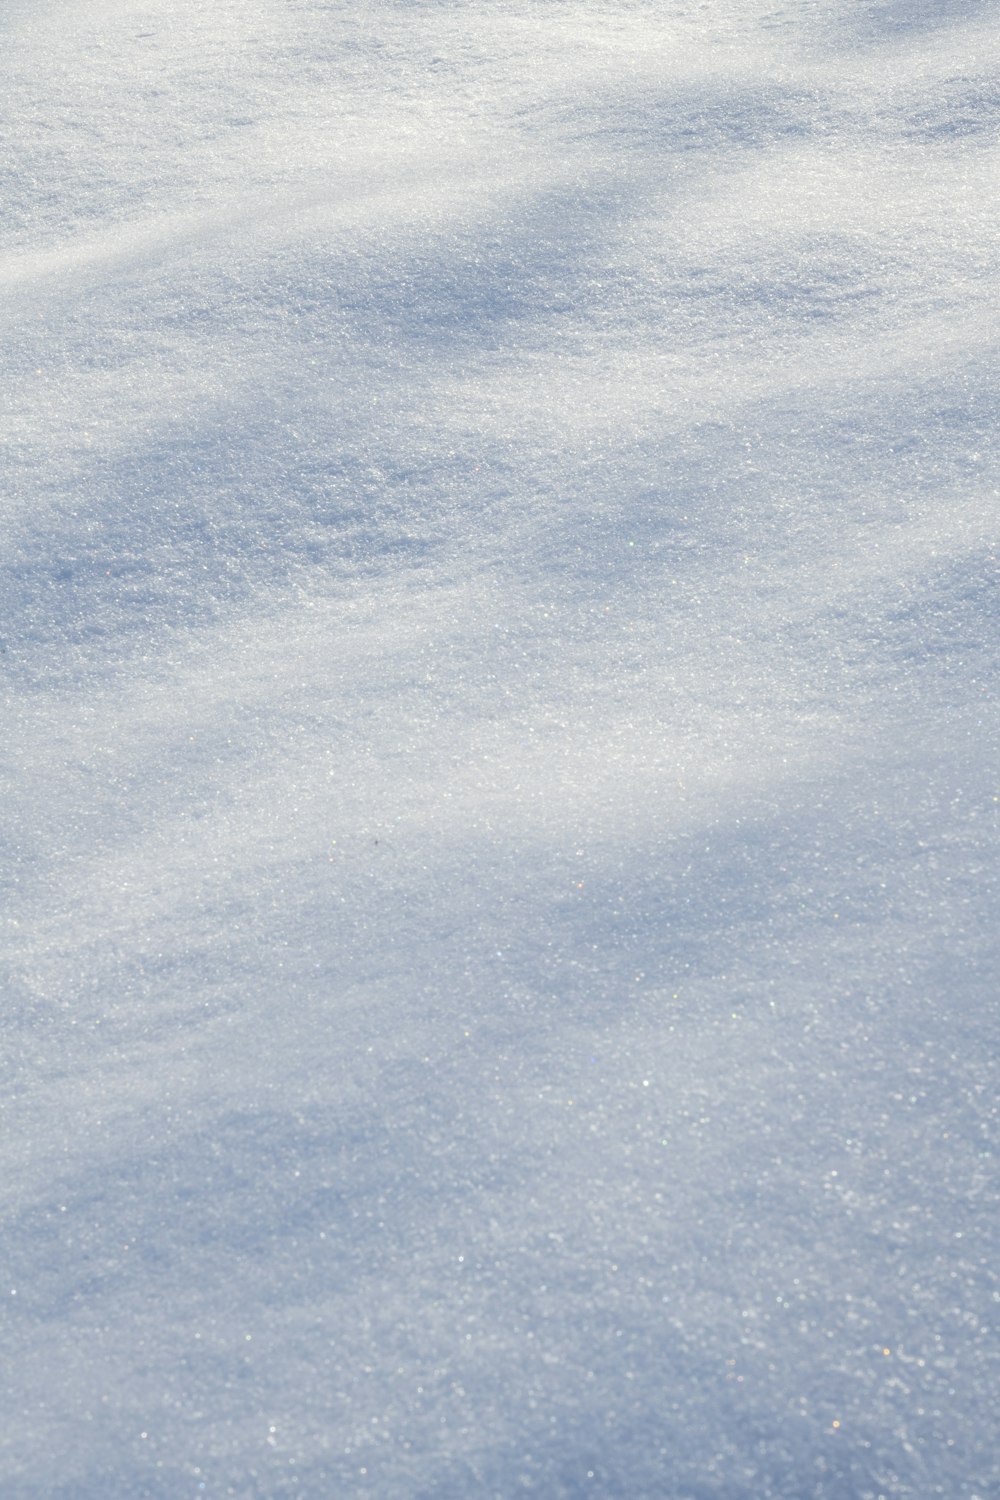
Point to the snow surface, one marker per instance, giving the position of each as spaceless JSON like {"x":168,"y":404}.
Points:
{"x":499,"y":755}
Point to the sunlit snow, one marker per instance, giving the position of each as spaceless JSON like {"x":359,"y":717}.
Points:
{"x":499,"y":749}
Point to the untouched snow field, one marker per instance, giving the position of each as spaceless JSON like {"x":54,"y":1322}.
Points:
{"x":499,"y":749}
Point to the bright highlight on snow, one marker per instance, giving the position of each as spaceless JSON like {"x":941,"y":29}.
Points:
{"x":499,"y":749}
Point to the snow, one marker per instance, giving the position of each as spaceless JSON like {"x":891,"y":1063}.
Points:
{"x":498,"y":632}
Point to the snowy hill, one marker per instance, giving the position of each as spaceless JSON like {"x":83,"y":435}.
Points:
{"x":499,"y":759}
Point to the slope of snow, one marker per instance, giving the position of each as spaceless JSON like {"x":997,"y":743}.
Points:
{"x":498,"y":632}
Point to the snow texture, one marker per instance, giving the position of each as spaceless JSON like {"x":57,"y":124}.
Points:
{"x":498,"y":633}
